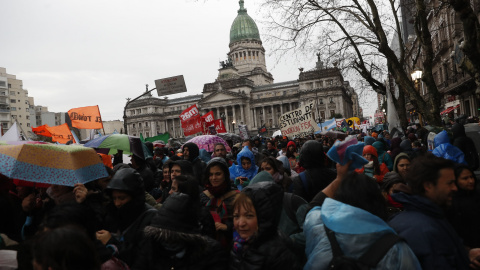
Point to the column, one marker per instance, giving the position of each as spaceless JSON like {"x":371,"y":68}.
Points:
{"x":227,"y":126}
{"x":153,"y":125}
{"x":273,"y":115}
{"x":281,"y":109}
{"x":166,"y":126}
{"x":242,"y":115}
{"x":264,"y":115}
{"x":234,"y":116}
{"x":254,"y":122}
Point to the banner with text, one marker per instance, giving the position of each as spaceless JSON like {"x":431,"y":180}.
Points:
{"x":298,"y":122}
{"x":42,"y":131}
{"x":61,"y":134}
{"x":190,"y":112}
{"x":219,"y":126}
{"x":192,"y":125}
{"x":243,"y":130}
{"x":86,"y":117}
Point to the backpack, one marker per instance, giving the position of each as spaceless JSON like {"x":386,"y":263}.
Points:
{"x":368,"y":260}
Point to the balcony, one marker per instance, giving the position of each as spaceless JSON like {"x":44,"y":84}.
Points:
{"x":3,"y":94}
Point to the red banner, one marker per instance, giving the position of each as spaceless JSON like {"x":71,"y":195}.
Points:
{"x":219,"y":126}
{"x":86,"y":117}
{"x":192,"y":125}
{"x":188,"y":113}
{"x":42,"y":130}
{"x":208,"y":117}
{"x":61,"y":134}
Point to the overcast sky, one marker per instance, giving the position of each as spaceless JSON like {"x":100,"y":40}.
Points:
{"x":80,"y":53}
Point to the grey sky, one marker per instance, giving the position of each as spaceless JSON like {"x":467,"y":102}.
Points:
{"x":79,"y":53}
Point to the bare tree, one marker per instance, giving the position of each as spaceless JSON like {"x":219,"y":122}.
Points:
{"x":357,"y":33}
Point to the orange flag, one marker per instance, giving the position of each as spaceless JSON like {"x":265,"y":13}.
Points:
{"x":42,"y":130}
{"x":61,"y":134}
{"x":86,"y":117}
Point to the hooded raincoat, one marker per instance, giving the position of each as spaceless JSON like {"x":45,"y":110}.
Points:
{"x":238,"y":170}
{"x":444,"y":149}
{"x":383,"y":156}
{"x":356,"y":230}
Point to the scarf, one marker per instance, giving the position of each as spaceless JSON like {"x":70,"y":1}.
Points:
{"x":219,"y":190}
{"x":238,"y":242}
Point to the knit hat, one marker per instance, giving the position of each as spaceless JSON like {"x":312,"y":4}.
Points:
{"x":177,"y":214}
{"x":368,"y":149}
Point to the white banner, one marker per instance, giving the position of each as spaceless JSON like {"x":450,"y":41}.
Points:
{"x":298,"y":122}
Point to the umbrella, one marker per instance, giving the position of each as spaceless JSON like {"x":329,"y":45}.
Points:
{"x":434,"y":129}
{"x":235,"y":138}
{"x":129,"y":145}
{"x":55,"y":164}
{"x":208,"y":142}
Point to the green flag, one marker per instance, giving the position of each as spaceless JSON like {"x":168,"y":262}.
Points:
{"x":141,"y":137}
{"x":163,"y":137}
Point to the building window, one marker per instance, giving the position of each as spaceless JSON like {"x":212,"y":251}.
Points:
{"x":28,"y":124}
{"x":12,"y":93}
{"x":332,"y":113}
{"x":13,"y":108}
{"x":331,"y":100}
{"x":322,"y":114}
{"x":9,"y":85}
{"x":146,"y":124}
{"x":320,"y":101}
{"x":13,"y":101}
{"x":3,"y":84}
{"x":133,"y":125}
{"x":139,"y":125}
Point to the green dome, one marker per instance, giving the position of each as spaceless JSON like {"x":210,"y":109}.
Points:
{"x":243,"y":27}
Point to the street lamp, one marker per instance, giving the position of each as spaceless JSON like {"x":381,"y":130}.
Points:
{"x":233,"y":124}
{"x":416,"y":77}
{"x":128,"y":103}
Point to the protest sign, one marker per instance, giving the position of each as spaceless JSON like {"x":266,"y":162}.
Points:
{"x":243,"y":130}
{"x":298,"y":122}
{"x":219,"y":126}
{"x":208,"y":117}
{"x":61,"y":133}
{"x":192,"y":125}
{"x":86,"y":117}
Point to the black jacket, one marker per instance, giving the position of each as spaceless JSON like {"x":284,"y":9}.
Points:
{"x":267,"y":249}
{"x":465,"y":144}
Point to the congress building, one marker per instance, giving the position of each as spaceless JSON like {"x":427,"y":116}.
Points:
{"x":245,"y":93}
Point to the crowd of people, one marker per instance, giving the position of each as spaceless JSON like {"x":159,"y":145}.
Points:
{"x":277,"y":203}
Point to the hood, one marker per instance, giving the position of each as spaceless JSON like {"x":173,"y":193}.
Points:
{"x":312,"y":155}
{"x":368,"y":140}
{"x":284,"y":160}
{"x":338,"y":217}
{"x":380,"y":147}
{"x":292,"y":143}
{"x":217,"y":161}
{"x":418,"y":203}
{"x":128,"y":180}
{"x":406,"y":145}
{"x":193,"y":151}
{"x":184,"y":165}
{"x":395,"y":143}
{"x":396,"y":161}
{"x":245,"y":153}
{"x":262,"y":177}
{"x":458,"y":131}
{"x":441,"y":138}
{"x":267,"y":198}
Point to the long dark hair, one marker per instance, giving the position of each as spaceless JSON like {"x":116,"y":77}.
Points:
{"x":272,"y":162}
{"x":360,"y":191}
{"x":376,"y":165}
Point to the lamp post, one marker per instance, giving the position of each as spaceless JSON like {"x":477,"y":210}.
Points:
{"x":233,"y":125}
{"x":416,"y":77}
{"x":128,"y":103}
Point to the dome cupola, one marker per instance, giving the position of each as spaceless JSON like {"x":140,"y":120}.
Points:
{"x":243,"y":27}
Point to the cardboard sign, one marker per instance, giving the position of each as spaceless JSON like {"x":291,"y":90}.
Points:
{"x":190,"y":112}
{"x":298,"y":122}
{"x":243,"y":130}
{"x":86,"y":117}
{"x":170,"y":85}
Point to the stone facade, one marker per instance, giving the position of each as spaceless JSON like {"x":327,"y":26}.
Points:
{"x":245,"y":93}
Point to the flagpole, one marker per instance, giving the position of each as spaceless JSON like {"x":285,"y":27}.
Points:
{"x":101,"y":120}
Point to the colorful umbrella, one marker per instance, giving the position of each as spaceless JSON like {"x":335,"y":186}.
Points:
{"x":129,"y":145}
{"x":208,"y":142}
{"x":55,"y":164}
